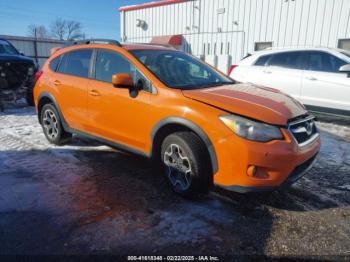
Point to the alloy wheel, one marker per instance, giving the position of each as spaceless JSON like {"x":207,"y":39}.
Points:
{"x":178,"y":166}
{"x":50,"y":124}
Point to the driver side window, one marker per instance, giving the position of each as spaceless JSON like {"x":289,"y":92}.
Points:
{"x":324,"y":62}
{"x":109,"y":63}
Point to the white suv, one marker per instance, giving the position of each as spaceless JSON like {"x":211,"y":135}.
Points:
{"x":318,"y":77}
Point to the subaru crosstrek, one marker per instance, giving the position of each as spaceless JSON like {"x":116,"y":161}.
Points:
{"x":189,"y":118}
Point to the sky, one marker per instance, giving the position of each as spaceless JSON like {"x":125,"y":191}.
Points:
{"x":100,"y":19}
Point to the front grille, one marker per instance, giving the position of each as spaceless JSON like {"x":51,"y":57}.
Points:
{"x":13,"y":74}
{"x":303,"y":130}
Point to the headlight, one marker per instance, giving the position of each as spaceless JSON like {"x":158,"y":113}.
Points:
{"x":31,"y":71}
{"x":252,"y":130}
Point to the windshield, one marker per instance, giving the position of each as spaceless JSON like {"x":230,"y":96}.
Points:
{"x":180,"y":70}
{"x":6,"y":48}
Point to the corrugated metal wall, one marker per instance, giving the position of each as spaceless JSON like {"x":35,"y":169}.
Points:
{"x":26,"y":45}
{"x":229,"y":29}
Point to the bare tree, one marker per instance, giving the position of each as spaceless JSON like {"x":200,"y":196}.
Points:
{"x":66,"y":29}
{"x":74,"y":30}
{"x":38,"y":31}
{"x":59,"y":28}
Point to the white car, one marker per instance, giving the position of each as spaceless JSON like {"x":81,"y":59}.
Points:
{"x":318,"y":77}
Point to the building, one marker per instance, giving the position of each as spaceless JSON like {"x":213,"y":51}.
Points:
{"x":38,"y":49}
{"x":223,"y":31}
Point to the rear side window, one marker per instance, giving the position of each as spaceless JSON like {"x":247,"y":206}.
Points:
{"x":292,"y":60}
{"x":54,"y":63}
{"x":109,"y":63}
{"x":262,"y":60}
{"x":324,"y":62}
{"x":76,"y":63}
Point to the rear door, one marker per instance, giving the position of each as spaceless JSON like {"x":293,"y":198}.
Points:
{"x":71,"y":82}
{"x":283,"y":71}
{"x":324,"y":87}
{"x":113,"y":113}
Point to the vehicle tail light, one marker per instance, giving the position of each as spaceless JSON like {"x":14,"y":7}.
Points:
{"x":38,"y":75}
{"x":231,"y":69}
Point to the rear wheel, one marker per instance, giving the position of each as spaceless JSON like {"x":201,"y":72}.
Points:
{"x":186,"y":164}
{"x":52,"y":126}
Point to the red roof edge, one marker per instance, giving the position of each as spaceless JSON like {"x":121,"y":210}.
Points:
{"x":149,"y":5}
{"x":173,"y":40}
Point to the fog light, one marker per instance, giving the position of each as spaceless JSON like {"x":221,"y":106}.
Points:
{"x":251,"y":171}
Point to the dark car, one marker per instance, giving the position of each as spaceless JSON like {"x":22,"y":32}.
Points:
{"x":17,"y":74}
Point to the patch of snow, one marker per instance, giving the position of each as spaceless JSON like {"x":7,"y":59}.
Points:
{"x":339,"y":130}
{"x":347,"y":187}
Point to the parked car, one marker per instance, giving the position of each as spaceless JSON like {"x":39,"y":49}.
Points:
{"x":318,"y":77}
{"x":190,"y":119}
{"x":16,"y":75}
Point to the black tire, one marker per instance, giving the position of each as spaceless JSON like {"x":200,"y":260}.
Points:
{"x":59,"y":136}
{"x":186,"y":164}
{"x":29,"y":95}
{"x":30,"y":98}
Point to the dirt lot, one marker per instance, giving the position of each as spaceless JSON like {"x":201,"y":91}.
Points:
{"x":85,"y":198}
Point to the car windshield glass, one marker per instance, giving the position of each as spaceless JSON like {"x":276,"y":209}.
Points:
{"x":180,"y":70}
{"x":6,"y":48}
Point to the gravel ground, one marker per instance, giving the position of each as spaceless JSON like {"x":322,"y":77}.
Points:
{"x":85,"y":198}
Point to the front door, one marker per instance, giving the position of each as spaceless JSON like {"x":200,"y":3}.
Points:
{"x":114,"y":114}
{"x":324,"y":87}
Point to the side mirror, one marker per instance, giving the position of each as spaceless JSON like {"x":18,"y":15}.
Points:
{"x":345,"y":68}
{"x":135,"y":90}
{"x":122,"y":80}
{"x":140,"y":84}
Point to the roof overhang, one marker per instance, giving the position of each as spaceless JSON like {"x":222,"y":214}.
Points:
{"x":171,"y":40}
{"x":150,"y":4}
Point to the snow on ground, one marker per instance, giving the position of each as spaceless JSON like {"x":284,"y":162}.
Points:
{"x":338,"y":130}
{"x":88,"y":198}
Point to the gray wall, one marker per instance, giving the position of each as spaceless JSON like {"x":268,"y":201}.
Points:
{"x":26,"y":45}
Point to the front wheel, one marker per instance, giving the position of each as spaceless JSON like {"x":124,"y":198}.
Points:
{"x":29,"y":94}
{"x":30,"y":98}
{"x":186,"y":164}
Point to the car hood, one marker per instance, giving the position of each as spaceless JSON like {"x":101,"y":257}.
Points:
{"x":15,"y":58}
{"x":260,"y":103}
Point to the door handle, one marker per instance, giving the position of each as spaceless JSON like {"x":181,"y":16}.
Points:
{"x":311,"y":78}
{"x":57,"y":83}
{"x":267,"y":72}
{"x":94,"y":93}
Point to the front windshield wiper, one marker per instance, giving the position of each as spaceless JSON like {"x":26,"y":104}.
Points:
{"x":216,"y":84}
{"x":203,"y":86}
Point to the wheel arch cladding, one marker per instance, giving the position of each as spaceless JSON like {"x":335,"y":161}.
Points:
{"x":174,"y":124}
{"x":45,"y":98}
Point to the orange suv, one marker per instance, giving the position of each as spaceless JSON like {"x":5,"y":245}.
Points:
{"x":200,"y":126}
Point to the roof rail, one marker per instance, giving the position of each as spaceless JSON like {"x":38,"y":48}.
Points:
{"x":94,"y":41}
{"x":295,"y":46}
